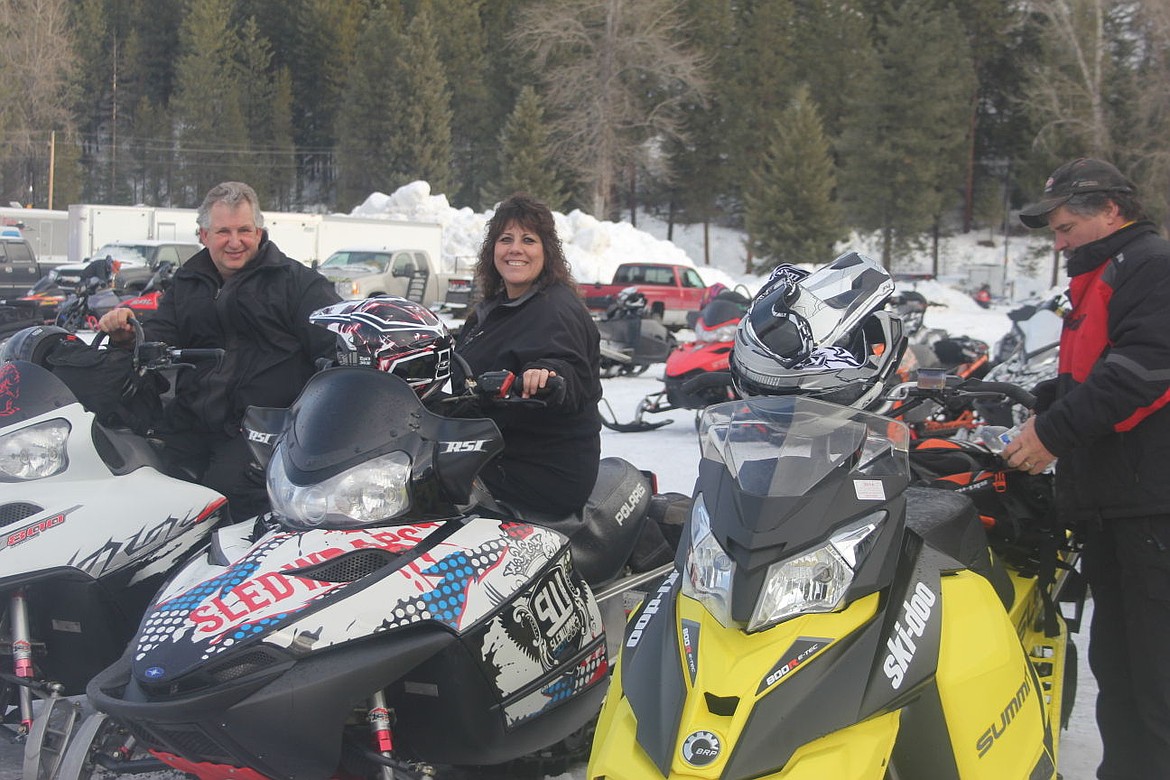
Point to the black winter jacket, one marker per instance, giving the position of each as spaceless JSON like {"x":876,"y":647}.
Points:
{"x":550,"y":458}
{"x":261,"y":317}
{"x":1109,"y":424}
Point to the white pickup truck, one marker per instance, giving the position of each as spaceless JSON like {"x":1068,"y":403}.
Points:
{"x":359,"y":272}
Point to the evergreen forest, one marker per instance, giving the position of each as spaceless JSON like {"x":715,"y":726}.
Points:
{"x":797,"y":120}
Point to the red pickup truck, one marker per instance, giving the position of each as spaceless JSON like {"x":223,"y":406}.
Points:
{"x":671,"y":290}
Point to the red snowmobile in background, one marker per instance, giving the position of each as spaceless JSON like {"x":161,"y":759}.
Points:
{"x":714,"y":325}
{"x":95,"y":296}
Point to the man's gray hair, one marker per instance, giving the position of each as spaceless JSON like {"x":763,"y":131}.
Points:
{"x":231,"y":194}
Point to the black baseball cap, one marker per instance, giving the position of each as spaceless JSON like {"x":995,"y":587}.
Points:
{"x":1074,"y":178}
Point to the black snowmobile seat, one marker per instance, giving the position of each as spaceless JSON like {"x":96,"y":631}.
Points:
{"x":947,"y":521}
{"x":602,"y":536}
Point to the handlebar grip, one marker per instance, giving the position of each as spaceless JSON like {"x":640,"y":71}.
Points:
{"x":1007,"y":389}
{"x":197,"y":353}
{"x":553,"y":390}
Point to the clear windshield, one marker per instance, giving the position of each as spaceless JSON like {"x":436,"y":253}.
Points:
{"x":135,"y":255}
{"x":785,"y":445}
{"x":367,"y":260}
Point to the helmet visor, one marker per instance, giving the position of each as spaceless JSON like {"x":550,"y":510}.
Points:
{"x":783,"y":333}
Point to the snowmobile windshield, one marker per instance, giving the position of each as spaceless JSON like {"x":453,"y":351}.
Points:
{"x":359,"y":448}
{"x":726,"y":309}
{"x":28,"y":391}
{"x":784,"y":446}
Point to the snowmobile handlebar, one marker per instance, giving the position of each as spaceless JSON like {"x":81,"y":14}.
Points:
{"x":936,"y":385}
{"x":499,"y":388}
{"x":157,"y":356}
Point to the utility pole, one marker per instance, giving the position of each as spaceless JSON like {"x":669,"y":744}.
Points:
{"x":52,"y":162}
{"x":114,"y":125}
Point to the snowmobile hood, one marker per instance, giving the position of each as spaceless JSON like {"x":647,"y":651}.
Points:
{"x":289,"y":595}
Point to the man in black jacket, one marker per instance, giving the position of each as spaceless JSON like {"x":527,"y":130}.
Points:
{"x":1106,"y":417}
{"x":242,"y":294}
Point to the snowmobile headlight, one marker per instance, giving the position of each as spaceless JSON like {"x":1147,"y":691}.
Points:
{"x":709,"y":569}
{"x":35,"y":452}
{"x":371,"y":492}
{"x":815,"y":581}
{"x":711,"y":335}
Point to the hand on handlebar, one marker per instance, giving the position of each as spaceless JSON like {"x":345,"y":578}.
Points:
{"x":534,"y":380}
{"x":537,"y":387}
{"x":117,"y":324}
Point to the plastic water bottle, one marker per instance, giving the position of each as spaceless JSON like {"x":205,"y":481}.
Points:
{"x":996,"y":437}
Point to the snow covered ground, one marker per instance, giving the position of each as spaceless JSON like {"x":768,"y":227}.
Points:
{"x":595,"y":248}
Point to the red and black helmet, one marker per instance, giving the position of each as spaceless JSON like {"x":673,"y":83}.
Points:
{"x":394,"y":335}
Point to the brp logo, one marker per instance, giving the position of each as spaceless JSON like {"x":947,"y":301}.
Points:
{"x":701,"y":748}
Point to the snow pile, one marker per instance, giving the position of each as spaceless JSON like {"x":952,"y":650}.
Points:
{"x":594,"y":248}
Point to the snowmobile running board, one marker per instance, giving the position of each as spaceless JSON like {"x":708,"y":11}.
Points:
{"x":637,"y":425}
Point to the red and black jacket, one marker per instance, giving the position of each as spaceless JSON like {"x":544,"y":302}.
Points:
{"x":1109,"y":424}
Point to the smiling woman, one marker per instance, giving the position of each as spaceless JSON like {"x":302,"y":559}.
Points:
{"x":531,"y":321}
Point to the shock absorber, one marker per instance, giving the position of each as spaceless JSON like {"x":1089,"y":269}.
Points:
{"x":379,"y":720}
{"x":22,"y":655}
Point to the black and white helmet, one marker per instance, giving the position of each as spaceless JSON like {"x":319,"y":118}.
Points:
{"x":823,"y":334}
{"x":394,"y":335}
{"x":632,"y":299}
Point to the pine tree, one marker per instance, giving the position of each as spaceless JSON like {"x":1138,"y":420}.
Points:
{"x":462,"y":49}
{"x":525,"y":158}
{"x":368,"y":120}
{"x":699,"y":174}
{"x":821,"y":49}
{"x":95,"y":63}
{"x":762,"y":79}
{"x":256,"y":106}
{"x":156,"y":26}
{"x":790,"y":213}
{"x":902,"y":148}
{"x":322,"y":57}
{"x":282,"y":149}
{"x":206,"y":108}
{"x":151,"y":151}
{"x":424,"y":108}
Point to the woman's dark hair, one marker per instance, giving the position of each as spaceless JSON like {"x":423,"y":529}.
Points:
{"x":530,"y":214}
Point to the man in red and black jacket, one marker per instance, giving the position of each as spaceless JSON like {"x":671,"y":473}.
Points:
{"x":1106,"y":418}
